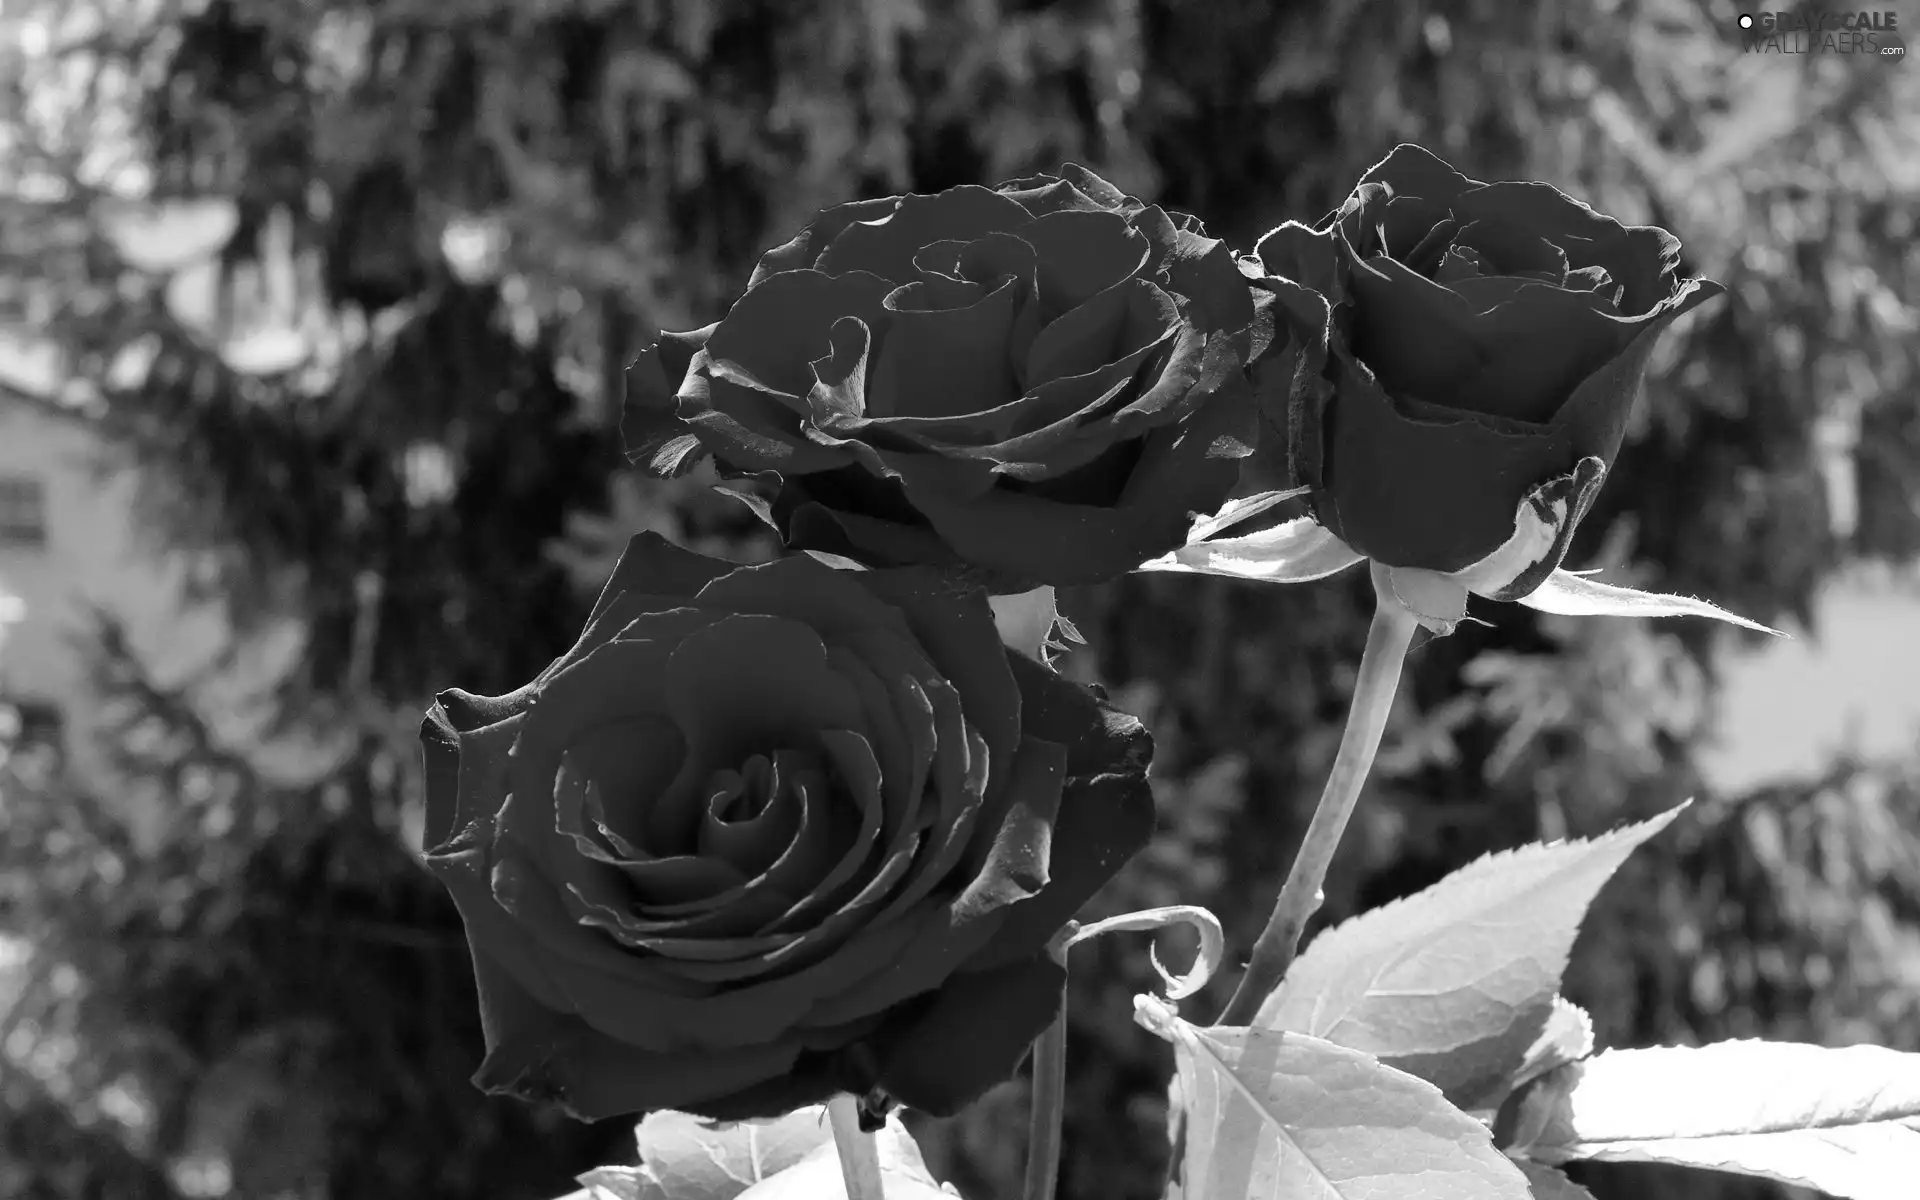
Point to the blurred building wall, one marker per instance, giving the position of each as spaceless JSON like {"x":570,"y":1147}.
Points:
{"x":70,"y":549}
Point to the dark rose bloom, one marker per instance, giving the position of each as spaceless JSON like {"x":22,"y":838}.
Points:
{"x":767,"y":833}
{"x":1039,"y":380}
{"x":1476,"y":341}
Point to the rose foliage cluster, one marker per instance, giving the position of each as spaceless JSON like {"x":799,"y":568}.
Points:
{"x":772,"y":833}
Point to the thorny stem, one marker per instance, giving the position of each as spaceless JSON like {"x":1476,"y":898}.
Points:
{"x":1049,"y":1093}
{"x":859,"y":1157}
{"x":1300,"y":896}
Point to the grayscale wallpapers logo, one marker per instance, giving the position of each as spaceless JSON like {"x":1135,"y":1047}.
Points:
{"x":1874,"y":34}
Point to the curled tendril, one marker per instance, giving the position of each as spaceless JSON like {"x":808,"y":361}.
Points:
{"x":1213,"y":942}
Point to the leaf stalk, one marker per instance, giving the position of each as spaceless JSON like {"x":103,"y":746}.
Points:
{"x":1301,"y":895}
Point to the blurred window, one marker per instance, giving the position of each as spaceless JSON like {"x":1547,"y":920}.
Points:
{"x":23,"y":511}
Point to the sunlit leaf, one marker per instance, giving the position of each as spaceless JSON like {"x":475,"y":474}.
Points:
{"x":1844,"y":1121}
{"x":1571,"y":595}
{"x":684,"y":1157}
{"x":1235,"y":511}
{"x":1273,"y":1115}
{"x":1026,"y":620}
{"x":1291,"y":552}
{"x":1456,"y":984}
{"x":1550,"y":1183}
{"x":818,"y":1177}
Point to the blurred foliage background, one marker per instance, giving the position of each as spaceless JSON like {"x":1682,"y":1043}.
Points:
{"x":471,"y":212}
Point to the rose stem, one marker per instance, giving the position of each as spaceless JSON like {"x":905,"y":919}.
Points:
{"x":1049,"y":1096}
{"x":859,"y":1159}
{"x":1387,"y":642}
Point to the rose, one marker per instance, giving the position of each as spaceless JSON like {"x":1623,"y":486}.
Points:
{"x":1039,"y":380}
{"x":1473,"y":352}
{"x":771,"y":832}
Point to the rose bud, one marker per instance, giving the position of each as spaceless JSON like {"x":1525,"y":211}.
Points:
{"x":1482,"y":340}
{"x":1457,"y":360}
{"x":774,"y":832}
{"x":1038,"y":381}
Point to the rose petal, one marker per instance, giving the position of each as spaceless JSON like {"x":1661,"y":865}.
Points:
{"x":1416,"y":336}
{"x":684,"y":881}
{"x":1457,"y":477}
{"x":803,"y":252}
{"x":830,"y":845}
{"x":859,"y":780}
{"x":748,"y":427}
{"x":1202,"y":270}
{"x":741,"y":685}
{"x":839,"y":391}
{"x":1106,"y":810}
{"x":1081,"y":254}
{"x":947,"y":362}
{"x":1114,"y":327}
{"x":970,"y":1037}
{"x":1484,"y":293}
{"x":1182,"y":469}
{"x":656,"y":567}
{"x":850,"y":931}
{"x":1642,"y":259}
{"x":616,"y":682}
{"x":650,"y":429}
{"x":621,"y":765}
{"x":1014,"y":869}
{"x":1413,"y":171}
{"x":1043,"y":194}
{"x":1461,"y":263}
{"x":956,"y":631}
{"x":1062,"y":423}
{"x":1305,"y":257}
{"x":1412,"y":230}
{"x":780,"y":326}
{"x":457,"y":843}
{"x":664,"y":1005}
{"x":885,"y":247}
{"x":834,"y":520}
{"x":1099,"y":189}
{"x":753,"y":813}
{"x":452,"y":814}
{"x":1514,"y":250}
{"x":1596,"y":279}
{"x":1548,"y":339}
{"x":549,"y":1058}
{"x":1016,"y":863}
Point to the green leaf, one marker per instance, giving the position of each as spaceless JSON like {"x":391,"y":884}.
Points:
{"x":1456,"y":983}
{"x":1235,"y":511}
{"x":1566,"y":1037}
{"x":1572,"y":595}
{"x":1844,"y":1121}
{"x":1272,"y":1114}
{"x":1550,"y":1183}
{"x":1026,"y":621}
{"x":818,"y":1177}
{"x":1295,"y":551}
{"x":684,"y":1157}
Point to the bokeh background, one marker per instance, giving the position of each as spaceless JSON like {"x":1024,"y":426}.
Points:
{"x":314,"y":316}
